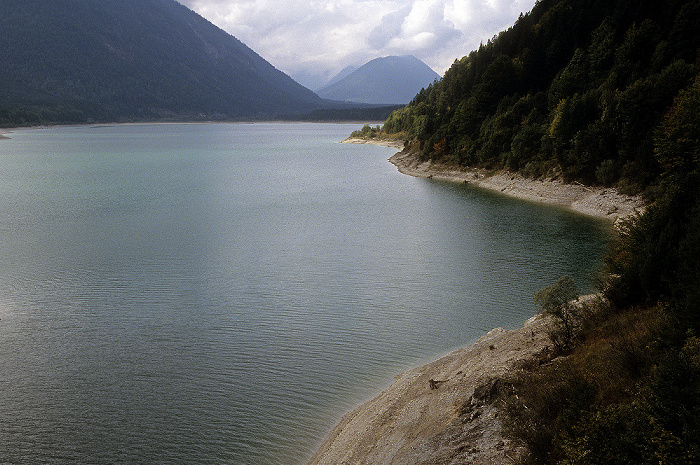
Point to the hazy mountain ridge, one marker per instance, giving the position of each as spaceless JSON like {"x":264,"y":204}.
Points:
{"x":342,"y":74}
{"x":128,"y":59}
{"x":387,"y":80}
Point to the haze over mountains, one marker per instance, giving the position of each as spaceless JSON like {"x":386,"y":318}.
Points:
{"x":387,"y":80}
{"x":112,"y":60}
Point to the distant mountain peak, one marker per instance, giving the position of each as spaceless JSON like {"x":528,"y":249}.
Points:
{"x":388,"y":80}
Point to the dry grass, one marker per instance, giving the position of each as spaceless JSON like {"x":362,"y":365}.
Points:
{"x":610,"y":366}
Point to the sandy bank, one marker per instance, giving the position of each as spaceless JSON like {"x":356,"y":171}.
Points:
{"x":596,"y":201}
{"x":453,"y":423}
{"x":385,"y":142}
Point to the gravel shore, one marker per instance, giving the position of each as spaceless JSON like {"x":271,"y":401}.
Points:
{"x":596,"y":201}
{"x":441,"y":412}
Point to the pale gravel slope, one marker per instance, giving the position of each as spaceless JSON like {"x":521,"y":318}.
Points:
{"x":410,"y":423}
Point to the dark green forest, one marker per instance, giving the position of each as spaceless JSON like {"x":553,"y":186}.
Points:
{"x":573,"y":88}
{"x":604,"y":93}
{"x":625,"y":388}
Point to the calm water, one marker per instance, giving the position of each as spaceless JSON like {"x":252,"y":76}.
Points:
{"x":223,"y":293}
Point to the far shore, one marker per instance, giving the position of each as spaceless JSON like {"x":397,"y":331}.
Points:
{"x":595,"y":201}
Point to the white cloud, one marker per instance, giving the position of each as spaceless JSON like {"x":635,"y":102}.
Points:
{"x":311,"y":40}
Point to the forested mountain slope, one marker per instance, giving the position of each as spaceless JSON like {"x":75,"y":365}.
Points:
{"x":109,"y":60}
{"x":575,"y":87}
{"x":604,"y":92}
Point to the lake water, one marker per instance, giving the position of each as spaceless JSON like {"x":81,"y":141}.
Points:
{"x":223,"y":293}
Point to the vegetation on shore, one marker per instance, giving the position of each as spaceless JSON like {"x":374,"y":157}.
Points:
{"x":367,"y":132}
{"x":624,"y":387}
{"x":573,"y":88}
{"x":604,"y":93}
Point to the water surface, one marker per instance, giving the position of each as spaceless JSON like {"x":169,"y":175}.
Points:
{"x":223,"y":293}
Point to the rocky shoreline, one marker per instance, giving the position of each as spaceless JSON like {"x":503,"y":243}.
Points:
{"x":595,"y":201}
{"x":379,"y":141}
{"x":600,"y":202}
{"x":442,"y":412}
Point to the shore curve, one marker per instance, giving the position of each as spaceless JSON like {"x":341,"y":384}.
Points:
{"x":595,"y":201}
{"x":441,"y":412}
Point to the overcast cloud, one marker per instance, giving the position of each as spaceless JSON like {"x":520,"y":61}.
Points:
{"x":312,"y":40}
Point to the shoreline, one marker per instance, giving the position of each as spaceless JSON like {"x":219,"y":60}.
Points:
{"x":440,"y":412}
{"x":397,"y":144}
{"x":600,"y":202}
{"x":595,"y":201}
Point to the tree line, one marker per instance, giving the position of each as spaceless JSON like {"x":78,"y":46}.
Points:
{"x":573,"y":89}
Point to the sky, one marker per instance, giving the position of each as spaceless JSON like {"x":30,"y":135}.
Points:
{"x":313,"y":40}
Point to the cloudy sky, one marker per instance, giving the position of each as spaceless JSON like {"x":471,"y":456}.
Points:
{"x":312,"y":40}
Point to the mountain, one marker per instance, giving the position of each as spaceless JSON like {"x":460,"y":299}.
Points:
{"x":81,"y":60}
{"x":343,"y":73}
{"x":390,"y":80}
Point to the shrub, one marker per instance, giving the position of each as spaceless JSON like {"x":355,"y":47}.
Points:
{"x":558,"y":301}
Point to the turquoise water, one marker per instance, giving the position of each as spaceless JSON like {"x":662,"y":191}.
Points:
{"x":223,"y":293}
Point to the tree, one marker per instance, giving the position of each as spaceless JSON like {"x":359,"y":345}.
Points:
{"x":559,"y":302}
{"x":678,"y":137}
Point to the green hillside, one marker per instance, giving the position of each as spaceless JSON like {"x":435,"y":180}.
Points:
{"x":575,"y":88}
{"x":607,"y":93}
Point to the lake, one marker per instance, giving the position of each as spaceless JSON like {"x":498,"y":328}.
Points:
{"x":223,"y":293}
